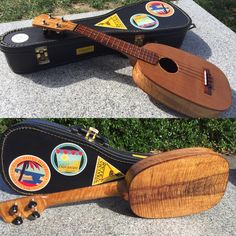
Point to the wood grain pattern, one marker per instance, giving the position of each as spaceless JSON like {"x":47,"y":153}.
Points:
{"x":183,"y":91}
{"x":180,"y":185}
{"x":170,"y":184}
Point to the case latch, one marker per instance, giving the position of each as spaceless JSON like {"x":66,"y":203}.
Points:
{"x":42,"y":55}
{"x":139,"y":40}
{"x":91,"y":134}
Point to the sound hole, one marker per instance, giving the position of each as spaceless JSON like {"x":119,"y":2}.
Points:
{"x":168,"y":65}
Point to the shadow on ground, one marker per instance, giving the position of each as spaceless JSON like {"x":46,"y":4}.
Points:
{"x":196,"y":45}
{"x":232,"y":176}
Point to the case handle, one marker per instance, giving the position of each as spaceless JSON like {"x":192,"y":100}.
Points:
{"x":77,"y":129}
{"x":192,"y":26}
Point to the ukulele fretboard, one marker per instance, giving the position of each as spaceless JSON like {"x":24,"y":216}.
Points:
{"x":118,"y":45}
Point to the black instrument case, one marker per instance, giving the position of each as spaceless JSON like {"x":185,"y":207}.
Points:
{"x":32,"y":49}
{"x":39,"y":156}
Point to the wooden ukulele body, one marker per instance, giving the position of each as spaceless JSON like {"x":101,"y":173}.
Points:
{"x":183,"y":90}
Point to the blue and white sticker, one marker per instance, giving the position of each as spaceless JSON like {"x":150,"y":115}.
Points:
{"x":68,"y":159}
{"x":144,"y":21}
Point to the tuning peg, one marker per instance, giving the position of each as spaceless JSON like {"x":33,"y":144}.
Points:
{"x":63,"y":19}
{"x":44,"y":22}
{"x":17,"y":221}
{"x":34,"y":216}
{"x":13,"y":210}
{"x":32,"y":204}
{"x":50,"y":16}
{"x":58,"y":25}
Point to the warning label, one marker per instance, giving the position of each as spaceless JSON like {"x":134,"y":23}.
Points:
{"x":113,"y":22}
{"x":105,"y":172}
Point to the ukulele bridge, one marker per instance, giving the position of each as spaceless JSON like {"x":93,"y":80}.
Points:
{"x":208,"y":82}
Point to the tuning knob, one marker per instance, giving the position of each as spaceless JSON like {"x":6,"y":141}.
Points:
{"x":32,"y":204}
{"x":34,"y":215}
{"x":17,"y":221}
{"x":13,"y":210}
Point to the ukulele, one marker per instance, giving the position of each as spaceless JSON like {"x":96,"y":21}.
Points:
{"x":179,"y":80}
{"x":171,"y":184}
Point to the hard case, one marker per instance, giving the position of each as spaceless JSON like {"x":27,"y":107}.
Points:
{"x":39,"y":156}
{"x":30,"y":49}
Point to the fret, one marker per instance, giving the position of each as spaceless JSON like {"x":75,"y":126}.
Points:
{"x":103,"y":36}
{"x":122,"y":46}
{"x":112,"y":44}
{"x":95,"y":38}
{"x":118,"y":44}
{"x":126,"y":49}
{"x":108,"y":39}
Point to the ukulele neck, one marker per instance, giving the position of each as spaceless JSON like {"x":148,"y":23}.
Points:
{"x":111,"y":189}
{"x":118,"y":45}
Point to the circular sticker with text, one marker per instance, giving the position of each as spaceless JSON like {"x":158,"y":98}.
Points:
{"x":144,"y":21}
{"x":161,"y":9}
{"x":68,"y":159}
{"x":29,"y":173}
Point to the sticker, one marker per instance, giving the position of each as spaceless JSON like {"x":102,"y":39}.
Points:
{"x":105,"y":172}
{"x":29,"y":173}
{"x":20,"y":38}
{"x":68,"y":159}
{"x":113,"y":22}
{"x":161,"y":9}
{"x":84,"y":50}
{"x":144,"y":21}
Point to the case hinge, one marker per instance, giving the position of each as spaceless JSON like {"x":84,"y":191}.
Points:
{"x":42,"y":55}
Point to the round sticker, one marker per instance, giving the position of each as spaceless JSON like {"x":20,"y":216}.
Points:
{"x":161,"y":9}
{"x":68,"y":159}
{"x":20,"y":38}
{"x":29,"y":173}
{"x":144,"y":21}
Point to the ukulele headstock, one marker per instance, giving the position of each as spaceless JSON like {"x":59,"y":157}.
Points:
{"x":53,"y":23}
{"x":15,"y":211}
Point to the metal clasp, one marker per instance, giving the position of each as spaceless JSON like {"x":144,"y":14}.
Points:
{"x":42,"y":55}
{"x":91,"y":134}
{"x":139,"y":40}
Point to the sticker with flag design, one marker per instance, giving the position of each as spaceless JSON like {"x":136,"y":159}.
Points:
{"x":68,"y":159}
{"x":160,"y":9}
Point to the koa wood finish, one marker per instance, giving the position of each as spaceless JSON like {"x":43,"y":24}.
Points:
{"x":181,"y":81}
{"x":171,"y":184}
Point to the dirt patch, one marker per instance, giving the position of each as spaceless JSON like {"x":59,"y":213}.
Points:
{"x":82,"y":7}
{"x":112,"y":5}
{"x":60,"y":12}
{"x":74,"y":8}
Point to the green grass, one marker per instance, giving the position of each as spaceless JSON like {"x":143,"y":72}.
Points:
{"x":11,"y":10}
{"x":158,"y":134}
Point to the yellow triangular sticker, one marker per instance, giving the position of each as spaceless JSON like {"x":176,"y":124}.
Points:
{"x":113,"y":22}
{"x":105,"y":172}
